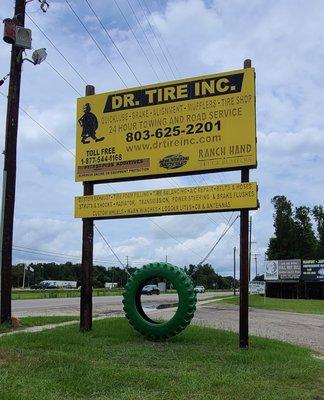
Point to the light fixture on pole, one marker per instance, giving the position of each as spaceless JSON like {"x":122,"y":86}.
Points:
{"x":38,"y":56}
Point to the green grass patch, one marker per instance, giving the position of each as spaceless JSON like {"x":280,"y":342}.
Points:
{"x":65,"y":293}
{"x":293,"y":305}
{"x":115,"y":362}
{"x":36,"y":321}
{"x":60,"y":293}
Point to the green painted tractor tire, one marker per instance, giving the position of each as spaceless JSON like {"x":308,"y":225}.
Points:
{"x":186,"y":306}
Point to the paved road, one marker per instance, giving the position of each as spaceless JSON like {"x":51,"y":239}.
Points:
{"x":101,"y":304}
{"x":303,"y":329}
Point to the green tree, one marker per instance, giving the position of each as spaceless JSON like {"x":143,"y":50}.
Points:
{"x":305,"y":236}
{"x":283,"y":244}
{"x":318,"y":213}
{"x":205,"y":275}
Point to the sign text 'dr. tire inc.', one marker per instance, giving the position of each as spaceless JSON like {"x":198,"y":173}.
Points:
{"x":192,"y":125}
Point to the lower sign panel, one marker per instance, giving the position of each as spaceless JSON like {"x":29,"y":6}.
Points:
{"x":188,"y":200}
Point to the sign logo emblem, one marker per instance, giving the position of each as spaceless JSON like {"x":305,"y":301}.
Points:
{"x":173,"y":161}
{"x":89,"y":124}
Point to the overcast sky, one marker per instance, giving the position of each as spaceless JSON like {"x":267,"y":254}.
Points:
{"x":284,"y":39}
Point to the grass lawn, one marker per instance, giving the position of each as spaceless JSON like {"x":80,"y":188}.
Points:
{"x":115,"y":362}
{"x":64,"y":293}
{"x":293,"y":305}
{"x":33,"y":321}
{"x":60,"y":293}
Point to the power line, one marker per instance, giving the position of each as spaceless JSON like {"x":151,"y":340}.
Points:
{"x":164,"y":230}
{"x":113,"y":42}
{"x":205,"y":214}
{"x":223,"y":216}
{"x":61,"y":76}
{"x":96,"y":43}
{"x":156,"y":38}
{"x":218,"y":240}
{"x":52,"y":253}
{"x":209,"y":217}
{"x":111,"y":249}
{"x":57,"y":49}
{"x":165,"y":45}
{"x":174,"y":238}
{"x":54,"y":69}
{"x":149,"y":43}
{"x":43,"y":128}
{"x":138,"y":42}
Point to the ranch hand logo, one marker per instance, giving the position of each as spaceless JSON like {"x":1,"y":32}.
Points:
{"x":173,"y":161}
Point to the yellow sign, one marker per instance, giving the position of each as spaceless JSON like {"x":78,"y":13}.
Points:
{"x":168,"y":201}
{"x":174,"y":128}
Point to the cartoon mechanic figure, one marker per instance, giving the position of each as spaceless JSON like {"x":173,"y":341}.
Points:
{"x":89,"y":124}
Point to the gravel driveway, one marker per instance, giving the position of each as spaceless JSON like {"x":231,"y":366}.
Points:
{"x":302,"y":329}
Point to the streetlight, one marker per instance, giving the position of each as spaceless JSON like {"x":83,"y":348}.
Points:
{"x":38,"y":56}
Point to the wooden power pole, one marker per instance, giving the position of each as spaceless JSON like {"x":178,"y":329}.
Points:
{"x":87,"y":256}
{"x":9,"y":170}
{"x":244,"y":262}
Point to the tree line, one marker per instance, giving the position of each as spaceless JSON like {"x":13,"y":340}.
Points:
{"x":37,"y":272}
{"x":299,"y":231}
{"x":205,"y":275}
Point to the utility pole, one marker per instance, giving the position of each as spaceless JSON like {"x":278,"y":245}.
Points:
{"x":255,"y":255}
{"x":24,"y":277}
{"x":256,"y":264}
{"x":234,"y":285}
{"x":250,"y":246}
{"x":9,"y":170}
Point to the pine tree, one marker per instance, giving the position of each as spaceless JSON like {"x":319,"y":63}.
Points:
{"x":283,"y":244}
{"x":318,"y":213}
{"x":305,"y":236}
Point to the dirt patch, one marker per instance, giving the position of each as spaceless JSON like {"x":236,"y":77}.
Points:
{"x":7,"y":357}
{"x":13,"y":357}
{"x":318,"y":356}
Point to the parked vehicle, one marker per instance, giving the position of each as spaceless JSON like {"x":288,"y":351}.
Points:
{"x":199,"y":289}
{"x":150,"y":289}
{"x":37,"y":286}
{"x":43,"y":286}
{"x":51,"y":284}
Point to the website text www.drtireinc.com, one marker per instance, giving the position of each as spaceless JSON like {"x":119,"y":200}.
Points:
{"x":164,"y":144}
